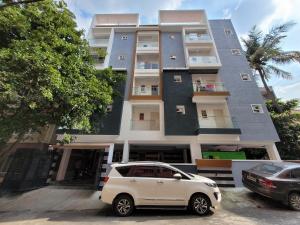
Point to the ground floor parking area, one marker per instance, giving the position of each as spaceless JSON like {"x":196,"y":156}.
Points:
{"x":54,"y":205}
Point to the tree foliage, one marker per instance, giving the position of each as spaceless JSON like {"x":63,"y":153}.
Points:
{"x":7,"y":3}
{"x":46,"y":72}
{"x":263,"y":52}
{"x":287,"y":124}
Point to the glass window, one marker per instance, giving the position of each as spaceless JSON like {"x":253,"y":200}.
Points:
{"x":245,"y":77}
{"x":257,"y":108}
{"x":177,"y":79}
{"x":166,"y":172}
{"x":142,"y":116}
{"x":109,"y":108}
{"x":204,"y":114}
{"x":295,"y":173}
{"x":144,"y":171}
{"x":124,"y":170}
{"x":267,"y":168}
{"x":124,"y":37}
{"x":121,"y":57}
{"x":228,"y":31}
{"x":235,"y":51}
{"x":180,"y":109}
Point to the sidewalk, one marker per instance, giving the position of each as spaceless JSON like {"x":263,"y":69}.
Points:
{"x":51,"y":199}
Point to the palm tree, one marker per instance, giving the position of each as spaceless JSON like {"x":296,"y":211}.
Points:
{"x":263,"y":53}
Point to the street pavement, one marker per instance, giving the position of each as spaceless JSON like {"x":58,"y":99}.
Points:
{"x":53,"y":205}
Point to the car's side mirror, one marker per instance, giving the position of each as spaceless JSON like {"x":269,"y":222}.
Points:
{"x":177,"y":176}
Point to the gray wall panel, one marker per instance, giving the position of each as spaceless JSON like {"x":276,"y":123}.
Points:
{"x":179,"y":94}
{"x":255,"y":127}
{"x":172,"y":47}
{"x":126,"y":48}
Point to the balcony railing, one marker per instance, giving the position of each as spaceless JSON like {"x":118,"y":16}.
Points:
{"x":145,"y":65}
{"x":98,"y":41}
{"x":211,"y":87}
{"x":211,"y":121}
{"x":145,"y":124}
{"x":97,"y":59}
{"x":145,"y":91}
{"x":199,"y":37}
{"x":196,"y":60}
{"x":144,"y":44}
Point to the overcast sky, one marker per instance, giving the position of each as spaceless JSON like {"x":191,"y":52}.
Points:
{"x":243,"y":13}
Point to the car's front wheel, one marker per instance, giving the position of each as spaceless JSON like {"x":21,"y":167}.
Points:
{"x":123,"y":205}
{"x":200,"y":204}
{"x":294,"y":201}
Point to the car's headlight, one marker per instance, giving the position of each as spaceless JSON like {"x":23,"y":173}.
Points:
{"x":214,"y":185}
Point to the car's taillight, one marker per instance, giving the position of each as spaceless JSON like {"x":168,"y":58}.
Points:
{"x":105,"y":179}
{"x":267,"y":183}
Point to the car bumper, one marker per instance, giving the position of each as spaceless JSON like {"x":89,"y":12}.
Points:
{"x":269,"y":193}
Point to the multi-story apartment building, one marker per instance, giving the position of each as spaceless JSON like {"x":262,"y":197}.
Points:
{"x":189,"y":91}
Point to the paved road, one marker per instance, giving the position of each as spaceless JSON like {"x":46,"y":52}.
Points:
{"x":239,"y":207}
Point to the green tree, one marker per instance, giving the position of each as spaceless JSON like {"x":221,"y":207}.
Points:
{"x":263,"y":53}
{"x":6,"y":3}
{"x":46,"y":71}
{"x":287,"y":124}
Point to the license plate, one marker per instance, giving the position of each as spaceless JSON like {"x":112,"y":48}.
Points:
{"x":249,"y":177}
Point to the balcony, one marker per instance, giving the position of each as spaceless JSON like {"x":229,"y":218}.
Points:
{"x":182,"y":17}
{"x":218,"y":125}
{"x":147,"y":65}
{"x":146,"y":91}
{"x":145,"y":125}
{"x":98,"y":62}
{"x":195,"y":37}
{"x":209,"y":92}
{"x":146,"y":46}
{"x":202,"y":60}
{"x":145,"y":117}
{"x":99,"y":42}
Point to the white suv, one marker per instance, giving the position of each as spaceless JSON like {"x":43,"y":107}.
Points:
{"x":157,"y":185}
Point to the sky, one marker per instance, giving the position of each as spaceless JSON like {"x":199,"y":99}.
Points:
{"x":243,"y":13}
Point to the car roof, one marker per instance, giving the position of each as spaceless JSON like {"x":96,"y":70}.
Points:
{"x":156,"y":163}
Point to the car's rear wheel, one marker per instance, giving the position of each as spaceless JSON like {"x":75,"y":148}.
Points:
{"x":123,"y":205}
{"x":200,"y":204}
{"x":294,"y":201}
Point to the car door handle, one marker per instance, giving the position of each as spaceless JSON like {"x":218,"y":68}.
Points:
{"x":160,"y":182}
{"x":133,"y":180}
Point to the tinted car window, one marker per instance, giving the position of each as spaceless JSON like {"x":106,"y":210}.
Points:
{"x":295,"y":174}
{"x":143,"y":171}
{"x":267,"y":168}
{"x":166,"y":172}
{"x":124,"y":170}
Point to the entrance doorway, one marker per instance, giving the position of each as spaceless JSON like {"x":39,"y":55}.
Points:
{"x":84,"y":167}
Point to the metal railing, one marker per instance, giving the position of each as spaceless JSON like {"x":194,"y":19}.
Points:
{"x":145,"y":65}
{"x":199,"y":37}
{"x":150,"y":91}
{"x":211,"y":86}
{"x":202,"y":60}
{"x":97,"y":59}
{"x":145,"y":124}
{"x":146,"y":44}
{"x":99,"y":41}
{"x":211,"y":121}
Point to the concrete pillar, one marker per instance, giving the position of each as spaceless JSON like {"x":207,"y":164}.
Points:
{"x":110,"y":153}
{"x":273,"y":152}
{"x":125,"y":157}
{"x":195,"y":151}
{"x":63,"y":165}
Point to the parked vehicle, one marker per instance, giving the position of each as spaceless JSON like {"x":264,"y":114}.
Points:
{"x":155,"y":185}
{"x":279,"y":181}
